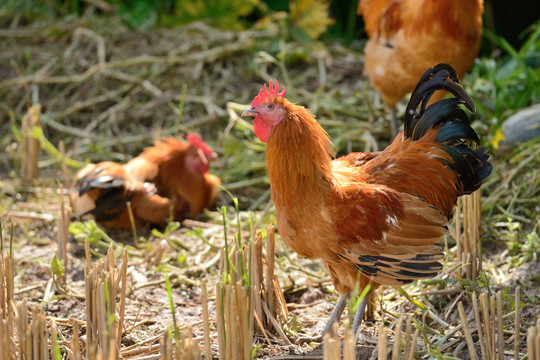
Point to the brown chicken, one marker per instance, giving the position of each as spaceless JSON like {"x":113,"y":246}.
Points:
{"x":380,"y":214}
{"x":406,"y":37}
{"x":170,"y":178}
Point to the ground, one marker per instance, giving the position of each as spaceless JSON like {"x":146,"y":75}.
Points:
{"x":109,"y":91}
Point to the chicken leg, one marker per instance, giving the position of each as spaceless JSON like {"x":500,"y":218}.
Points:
{"x":359,"y":316}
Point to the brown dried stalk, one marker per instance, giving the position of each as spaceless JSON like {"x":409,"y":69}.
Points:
{"x":30,"y":147}
{"x":517,"y":320}
{"x":102,"y":282}
{"x":7,"y":321}
{"x":382,"y":342}
{"x":260,"y":295}
{"x":489,"y":318}
{"x":332,"y":345}
{"x":468,"y":336}
{"x":183,"y":348}
{"x":533,"y":342}
{"x":63,"y":225}
{"x":397,"y":339}
{"x":206,"y":321}
{"x":469,"y":249}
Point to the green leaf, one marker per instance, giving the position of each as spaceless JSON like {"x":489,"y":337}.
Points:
{"x":57,"y":266}
{"x":311,"y":16}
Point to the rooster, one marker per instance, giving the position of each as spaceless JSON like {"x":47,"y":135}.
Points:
{"x":377,"y":214}
{"x":170,"y":178}
{"x":408,"y":36}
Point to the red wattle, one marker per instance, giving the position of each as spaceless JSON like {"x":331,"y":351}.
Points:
{"x":262,"y":129}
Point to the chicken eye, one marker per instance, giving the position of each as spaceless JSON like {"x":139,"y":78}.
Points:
{"x":270,"y":106}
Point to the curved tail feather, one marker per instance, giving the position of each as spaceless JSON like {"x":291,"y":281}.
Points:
{"x":111,"y":198}
{"x":455,"y":135}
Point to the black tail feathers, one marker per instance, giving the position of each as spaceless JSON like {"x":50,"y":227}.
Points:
{"x":112,"y":199}
{"x":455,"y":133}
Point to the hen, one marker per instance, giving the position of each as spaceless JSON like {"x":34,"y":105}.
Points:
{"x":170,"y":178}
{"x":406,"y":37}
{"x":380,"y":214}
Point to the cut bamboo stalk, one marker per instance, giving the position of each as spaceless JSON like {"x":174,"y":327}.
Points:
{"x":533,"y":342}
{"x":63,"y":225}
{"x":349,"y":342}
{"x":467,"y":234}
{"x":232,"y":324}
{"x":269,"y":278}
{"x":493,"y":326}
{"x":479,"y":326}
{"x":537,"y":342}
{"x":102,"y":281}
{"x":122,"y":277}
{"x":256,"y":278}
{"x":382,"y":342}
{"x":7,"y":320}
{"x":282,"y":312}
{"x":75,"y":342}
{"x":468,"y":336}
{"x":413,"y":342}
{"x":30,"y":146}
{"x":165,"y":345}
{"x":241,"y":305}
{"x":408,"y":328}
{"x":264,"y":332}
{"x":183,"y":348}
{"x":6,"y":281}
{"x":531,"y":348}
{"x":36,"y":333}
{"x":278,"y":328}
{"x":396,"y":348}
{"x":487,"y":326}
{"x":206,"y":321}
{"x":331,"y":347}
{"x":500,"y":333}
{"x":65,"y":170}
{"x":517,"y":321}
{"x":248,"y":282}
{"x":220,"y":316}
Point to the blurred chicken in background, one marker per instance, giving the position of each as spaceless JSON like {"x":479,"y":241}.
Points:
{"x":406,"y":37}
{"x":167,"y":180}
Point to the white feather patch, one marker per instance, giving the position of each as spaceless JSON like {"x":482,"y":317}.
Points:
{"x":83,"y":204}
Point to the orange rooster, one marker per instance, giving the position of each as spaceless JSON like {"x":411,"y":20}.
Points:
{"x":406,"y":37}
{"x":380,"y":214}
{"x":172,"y":176}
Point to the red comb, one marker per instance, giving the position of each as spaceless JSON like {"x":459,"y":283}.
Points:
{"x":264,"y":93}
{"x":196,"y":140}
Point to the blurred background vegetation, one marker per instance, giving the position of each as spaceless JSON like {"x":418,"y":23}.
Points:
{"x":52,"y":51}
{"x":506,"y":19}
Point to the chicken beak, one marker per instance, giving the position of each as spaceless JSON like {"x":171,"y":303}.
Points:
{"x":249,"y":112}
{"x":202,"y":156}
